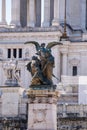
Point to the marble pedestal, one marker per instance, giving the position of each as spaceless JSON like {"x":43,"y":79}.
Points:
{"x":42,"y":109}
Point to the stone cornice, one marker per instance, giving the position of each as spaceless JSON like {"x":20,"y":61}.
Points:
{"x":43,"y":96}
{"x":29,"y":29}
{"x":74,"y":61}
{"x":29,"y":35}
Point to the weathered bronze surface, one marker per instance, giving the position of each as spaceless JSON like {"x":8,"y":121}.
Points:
{"x":41,"y":66}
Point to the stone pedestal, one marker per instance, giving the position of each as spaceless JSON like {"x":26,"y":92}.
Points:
{"x":42,"y":109}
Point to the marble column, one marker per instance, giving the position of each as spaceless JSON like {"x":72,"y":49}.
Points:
{"x":31,"y":20}
{"x":55,"y":21}
{"x":46,"y":14}
{"x":3,"y":15}
{"x":64,"y":63}
{"x":15,"y":13}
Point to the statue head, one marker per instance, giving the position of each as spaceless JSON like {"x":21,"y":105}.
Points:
{"x":43,"y":45}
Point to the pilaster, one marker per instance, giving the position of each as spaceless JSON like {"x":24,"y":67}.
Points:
{"x":64,"y":52}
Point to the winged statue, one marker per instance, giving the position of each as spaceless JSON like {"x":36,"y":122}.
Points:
{"x":42,"y":68}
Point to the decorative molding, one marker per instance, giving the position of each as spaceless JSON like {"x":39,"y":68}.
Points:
{"x":10,"y":90}
{"x":74,"y":61}
{"x":25,"y":35}
{"x":43,"y":96}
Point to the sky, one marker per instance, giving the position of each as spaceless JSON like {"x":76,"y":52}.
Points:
{"x":8,"y":10}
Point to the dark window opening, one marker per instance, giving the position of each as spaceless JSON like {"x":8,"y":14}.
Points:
{"x":20,"y":53}
{"x":15,"y":53}
{"x":74,"y":71}
{"x":9,"y":53}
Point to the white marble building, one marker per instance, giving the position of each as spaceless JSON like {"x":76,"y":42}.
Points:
{"x":32,"y":21}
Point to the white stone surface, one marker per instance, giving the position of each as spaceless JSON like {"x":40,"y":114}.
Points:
{"x":42,"y":116}
{"x":32,"y":14}
{"x":55,"y":21}
{"x":3,"y":15}
{"x":82,"y":90}
{"x":46,"y":14}
{"x":10,"y":100}
{"x":15,"y":13}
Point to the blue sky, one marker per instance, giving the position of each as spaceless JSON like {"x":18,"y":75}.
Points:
{"x":8,"y":10}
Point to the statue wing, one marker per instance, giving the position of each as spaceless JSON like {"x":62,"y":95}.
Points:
{"x":51,"y":44}
{"x":35,"y":43}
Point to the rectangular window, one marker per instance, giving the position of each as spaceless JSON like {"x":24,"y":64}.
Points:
{"x":9,"y":53}
{"x":20,"y":53}
{"x":74,"y":73}
{"x":15,"y":53}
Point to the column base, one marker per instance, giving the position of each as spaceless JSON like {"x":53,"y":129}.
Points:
{"x":55,"y":22}
{"x":45,"y":24}
{"x":3,"y":24}
{"x":42,"y":109}
{"x":15,"y":24}
{"x":31,"y":24}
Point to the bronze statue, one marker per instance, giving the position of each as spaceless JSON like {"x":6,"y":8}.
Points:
{"x":42,"y":68}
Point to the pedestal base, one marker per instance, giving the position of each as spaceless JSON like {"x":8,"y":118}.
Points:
{"x":42,"y":109}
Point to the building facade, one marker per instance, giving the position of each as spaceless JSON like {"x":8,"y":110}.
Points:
{"x":43,"y":21}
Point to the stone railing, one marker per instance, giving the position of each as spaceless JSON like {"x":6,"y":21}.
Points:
{"x":71,"y":110}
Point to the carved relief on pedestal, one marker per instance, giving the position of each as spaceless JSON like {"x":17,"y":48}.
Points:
{"x":40,"y":115}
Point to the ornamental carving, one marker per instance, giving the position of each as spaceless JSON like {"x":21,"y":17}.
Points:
{"x":39,"y":115}
{"x":74,"y":61}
